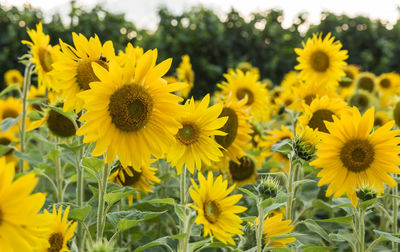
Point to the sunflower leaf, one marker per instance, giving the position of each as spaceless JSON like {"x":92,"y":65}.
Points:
{"x":366,"y":204}
{"x":347,"y":220}
{"x":79,"y":214}
{"x":285,"y":236}
{"x":4,"y":149}
{"x":282,"y":146}
{"x":93,"y":164}
{"x":127,"y":219}
{"x":248,"y":193}
{"x":163,"y":241}
{"x":387,"y":236}
{"x":314,"y":227}
{"x":8,"y":122}
{"x":313,"y":248}
{"x":168,"y":201}
{"x":113,"y":197}
{"x":9,"y":89}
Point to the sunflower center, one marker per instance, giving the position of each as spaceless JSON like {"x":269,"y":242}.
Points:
{"x":130,"y":108}
{"x":366,"y":83}
{"x":14,"y":79}
{"x":349,"y":74}
{"x":36,"y":106}
{"x":242,"y":171}
{"x":130,"y":180}
{"x":361,"y":101}
{"x":318,"y":118}
{"x":255,"y":135}
{"x":85,"y":74}
{"x":346,"y":84}
{"x":396,"y":114}
{"x":60,"y":125}
{"x":378,"y":122}
{"x":288,"y":101}
{"x":319,"y":61}
{"x":230,"y":127}
{"x":357,"y":155}
{"x":385,"y":83}
{"x":211,"y":211}
{"x":243,"y":92}
{"x":309,"y":98}
{"x":10,"y":113}
{"x":188,"y":134}
{"x":45,"y":59}
{"x":56,"y":241}
{"x":1,"y":217}
{"x":5,"y":141}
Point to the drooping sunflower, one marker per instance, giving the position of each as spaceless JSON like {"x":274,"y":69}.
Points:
{"x":141,"y":179}
{"x":14,"y":76}
{"x":62,"y":230}
{"x":273,"y":137}
{"x":185,"y":74}
{"x":244,"y":171}
{"x":346,"y":87}
{"x":350,"y":155}
{"x":276,"y":226}
{"x":43,"y":55}
{"x":321,"y":110}
{"x":74,"y":70}
{"x":366,"y":81}
{"x":321,"y":60}
{"x":241,"y":85}
{"x":21,"y":227}
{"x":388,"y":83}
{"x":131,"y":114}
{"x":216,"y":211}
{"x":194,"y":143}
{"x":308,"y":91}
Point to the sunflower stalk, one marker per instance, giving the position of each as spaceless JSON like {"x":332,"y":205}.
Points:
{"x":360,"y":216}
{"x":59,"y":173}
{"x":187,"y":228}
{"x":260,"y":225}
{"x":183,"y":185}
{"x":395,"y":245}
{"x":101,"y":214}
{"x":290,"y":187}
{"x":79,"y":192}
{"x":25,"y":90}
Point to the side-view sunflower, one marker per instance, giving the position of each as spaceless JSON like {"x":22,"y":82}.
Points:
{"x":74,"y":70}
{"x":131,"y":114}
{"x":388,"y":83}
{"x":321,"y":60}
{"x":141,"y":179}
{"x":306,"y":142}
{"x":244,"y":171}
{"x":273,"y":137}
{"x":14,"y":76}
{"x":43,"y":54}
{"x":185,"y":74}
{"x":346,"y":87}
{"x":62,"y":230}
{"x":366,"y":81}
{"x":276,"y":226}
{"x":241,"y":85}
{"x":216,"y":211}
{"x":21,"y":227}
{"x":350,"y":155}
{"x":321,"y":110}
{"x":194,"y":140}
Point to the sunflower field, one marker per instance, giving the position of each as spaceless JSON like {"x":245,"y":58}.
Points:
{"x":108,"y":149}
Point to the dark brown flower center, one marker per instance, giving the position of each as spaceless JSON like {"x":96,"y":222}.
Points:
{"x":366,"y":83}
{"x":130,"y":107}
{"x":129,"y":180}
{"x":60,"y":125}
{"x":385,"y":83}
{"x":242,"y":171}
{"x":243,"y":92}
{"x":5,"y":141}
{"x":318,"y":118}
{"x":230,"y":127}
{"x":10,"y":113}
{"x":85,"y":74}
{"x":396,"y":114}
{"x":188,"y":134}
{"x":56,"y":241}
{"x":211,"y":211}
{"x":357,"y":155}
{"x":319,"y":61}
{"x":1,"y":217}
{"x":361,"y":101}
{"x":14,"y":79}
{"x":45,"y":59}
{"x":309,"y":98}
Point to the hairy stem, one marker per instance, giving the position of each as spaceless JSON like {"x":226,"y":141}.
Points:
{"x":100,"y":211}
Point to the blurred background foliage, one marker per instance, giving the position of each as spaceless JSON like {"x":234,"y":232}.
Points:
{"x":214,"y":44}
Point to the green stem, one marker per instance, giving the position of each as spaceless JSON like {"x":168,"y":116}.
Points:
{"x":79,"y":193}
{"x":362,"y":229}
{"x":25,"y":90}
{"x":100,"y":211}
{"x":59,"y":173}
{"x":290,"y":189}
{"x":395,"y":245}
{"x":187,"y":230}
{"x":260,"y":227}
{"x":183,"y":185}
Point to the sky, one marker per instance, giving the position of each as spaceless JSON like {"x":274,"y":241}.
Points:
{"x":144,"y":12}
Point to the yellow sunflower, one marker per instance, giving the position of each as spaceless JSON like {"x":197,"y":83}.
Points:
{"x":366,"y":81}
{"x":321,"y":60}
{"x":74,"y":70}
{"x":43,"y":55}
{"x":306,"y":142}
{"x":286,"y":99}
{"x":244,"y":171}
{"x":194,"y":143}
{"x":141,"y":179}
{"x":8,"y":139}
{"x":246,"y":67}
{"x":130,"y":57}
{"x":381,"y":118}
{"x":290,"y":80}
{"x":350,"y":155}
{"x":62,"y":230}
{"x":388,"y":83}
{"x":276,"y":226}
{"x":321,"y":110}
{"x":131,"y":113}
{"x":273,"y":137}
{"x":21,"y":227}
{"x":241,"y":85}
{"x":186,"y":75}
{"x":346,"y":87}
{"x":362,"y":99}
{"x":37,"y":95}
{"x":308,"y":91}
{"x":216,"y":211}
{"x":10,"y":108}
{"x":14,"y":76}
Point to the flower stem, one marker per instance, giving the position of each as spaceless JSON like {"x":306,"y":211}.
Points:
{"x":183,"y":185}
{"x":59,"y":173}
{"x":395,"y":245}
{"x":361,"y":229}
{"x":290,"y":189}
{"x":187,"y":227}
{"x":260,"y":226}
{"x":100,"y":211}
{"x":79,"y":193}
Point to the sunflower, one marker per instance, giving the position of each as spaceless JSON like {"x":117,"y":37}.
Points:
{"x":246,"y":67}
{"x":194,"y":143}
{"x":308,"y":91}
{"x":14,"y":76}
{"x":8,"y":139}
{"x":388,"y":83}
{"x":290,"y":80}
{"x":381,"y":118}
{"x":346,"y":87}
{"x":306,"y":142}
{"x":321,"y":60}
{"x":74,"y":70}
{"x":241,"y":85}
{"x":21,"y":227}
{"x":216,"y":211}
{"x":62,"y":230}
{"x":37,"y":95}
{"x":131,"y":113}
{"x":350,"y":156}
{"x":366,"y":81}
{"x":362,"y":99}
{"x":130,"y":57}
{"x":244,"y":171}
{"x":141,"y":179}
{"x":43,"y":54}
{"x":276,"y":226}
{"x":186,"y":75}
{"x":321,"y":110}
{"x":273,"y":137}
{"x":286,"y":99}
{"x":10,"y":108}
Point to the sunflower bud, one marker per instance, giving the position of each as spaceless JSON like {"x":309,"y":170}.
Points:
{"x":268,"y":187}
{"x":366,"y":193}
{"x":305,"y":144}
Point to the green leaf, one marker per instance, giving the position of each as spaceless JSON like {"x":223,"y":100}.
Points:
{"x":248,"y":193}
{"x":8,"y":122}
{"x":74,"y":147}
{"x":53,"y":155}
{"x":347,"y":220}
{"x":285,"y":236}
{"x":387,"y":236}
{"x":282,"y":146}
{"x":159,"y":242}
{"x":9,"y":89}
{"x":314,"y":227}
{"x":250,"y":219}
{"x":273,"y":207}
{"x":127,"y":219}
{"x":342,"y":236}
{"x":180,"y":212}
{"x":313,"y":248}
{"x":94,"y":164}
{"x":303,"y":181}
{"x":168,"y":201}
{"x":366,"y":204}
{"x":267,"y":203}
{"x":387,"y":195}
{"x":4,"y":149}
{"x":282,"y":196}
{"x":113,"y":197}
{"x":79,"y":214}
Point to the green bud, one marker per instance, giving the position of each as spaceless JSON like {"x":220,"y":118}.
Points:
{"x":366,"y":193}
{"x":303,"y":149}
{"x":268,"y":187}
